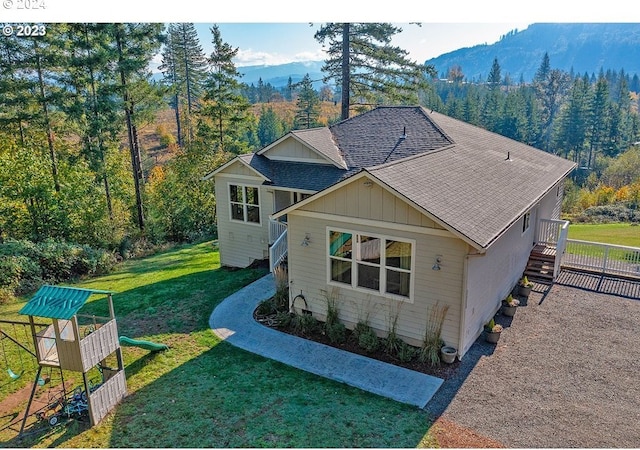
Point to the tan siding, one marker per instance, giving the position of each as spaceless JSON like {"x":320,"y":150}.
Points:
{"x":237,"y":168}
{"x":241,"y":243}
{"x":388,"y":206}
{"x":369,"y":202}
{"x":308,"y":274}
{"x":291,"y":148}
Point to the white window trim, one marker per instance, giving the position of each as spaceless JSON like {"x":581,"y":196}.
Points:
{"x":244,"y":204}
{"x":383,"y":272}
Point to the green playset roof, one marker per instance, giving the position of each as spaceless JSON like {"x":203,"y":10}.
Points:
{"x":58,"y":302}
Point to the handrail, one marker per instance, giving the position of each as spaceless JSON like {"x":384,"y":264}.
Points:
{"x":276,"y":228}
{"x":278,"y":251}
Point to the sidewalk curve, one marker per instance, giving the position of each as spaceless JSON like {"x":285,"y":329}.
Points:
{"x":232,"y":320}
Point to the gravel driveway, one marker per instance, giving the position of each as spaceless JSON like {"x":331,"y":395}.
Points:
{"x":565,"y":373}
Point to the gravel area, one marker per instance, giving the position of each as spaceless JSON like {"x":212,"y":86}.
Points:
{"x":565,"y":373}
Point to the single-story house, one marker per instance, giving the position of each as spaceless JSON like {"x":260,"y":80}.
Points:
{"x":392,"y":212}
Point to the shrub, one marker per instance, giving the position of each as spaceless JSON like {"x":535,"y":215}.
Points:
{"x":610,"y":213}
{"x":265,"y":308}
{"x":368,"y":340}
{"x":304,"y":323}
{"x":405,"y":352}
{"x":25,"y":266}
{"x":283,"y":319}
{"x":336,"y":332}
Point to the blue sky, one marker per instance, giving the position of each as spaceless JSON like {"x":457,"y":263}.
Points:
{"x":278,"y":31}
{"x":277,"y":43}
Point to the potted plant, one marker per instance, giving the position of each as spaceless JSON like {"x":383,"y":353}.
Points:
{"x":493,"y":331}
{"x":525,"y":286}
{"x":448,"y":354}
{"x":509,"y":306}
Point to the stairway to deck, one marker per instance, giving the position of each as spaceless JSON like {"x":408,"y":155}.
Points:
{"x":541,"y":264}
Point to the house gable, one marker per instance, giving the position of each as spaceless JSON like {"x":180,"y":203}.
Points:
{"x":239,"y":168}
{"x":314,"y":146}
{"x":364,"y":198}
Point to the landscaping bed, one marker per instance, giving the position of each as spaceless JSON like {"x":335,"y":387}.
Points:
{"x":351,"y":344}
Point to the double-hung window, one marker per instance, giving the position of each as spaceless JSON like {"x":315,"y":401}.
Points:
{"x":245,"y":203}
{"x":369,"y":262}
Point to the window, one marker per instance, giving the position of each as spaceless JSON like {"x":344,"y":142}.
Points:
{"x":525,"y":222}
{"x":371,"y":263}
{"x":299,"y":196}
{"x":245,"y":203}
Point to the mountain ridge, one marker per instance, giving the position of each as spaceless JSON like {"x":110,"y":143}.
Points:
{"x":578,"y":47}
{"x":581,"y":47}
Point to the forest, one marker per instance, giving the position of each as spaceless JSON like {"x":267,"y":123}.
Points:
{"x":99,"y":161}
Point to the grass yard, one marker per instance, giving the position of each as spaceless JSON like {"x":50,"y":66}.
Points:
{"x":610,"y":233}
{"x":203,"y":392}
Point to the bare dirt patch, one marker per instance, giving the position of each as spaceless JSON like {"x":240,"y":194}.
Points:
{"x":451,"y":435}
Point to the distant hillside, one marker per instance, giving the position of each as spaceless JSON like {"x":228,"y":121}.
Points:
{"x":278,"y":75}
{"x":583,"y":48}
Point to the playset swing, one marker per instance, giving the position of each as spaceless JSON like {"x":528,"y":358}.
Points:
{"x":22,"y":347}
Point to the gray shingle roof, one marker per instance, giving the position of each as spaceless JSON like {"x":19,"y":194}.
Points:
{"x":296,"y":175}
{"x":471,"y":186}
{"x":387,"y":134}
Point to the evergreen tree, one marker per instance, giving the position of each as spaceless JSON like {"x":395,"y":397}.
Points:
{"x":551,"y":88}
{"x":571,"y":136}
{"x":493,"y":104}
{"x":92,"y":106}
{"x":307,"y":105}
{"x":494,"y":78}
{"x":224,"y":111}
{"x":269,"y":126}
{"x":184,"y":67}
{"x":598,"y":119}
{"x":135,"y":45}
{"x":366,"y":66}
{"x":514,"y":123}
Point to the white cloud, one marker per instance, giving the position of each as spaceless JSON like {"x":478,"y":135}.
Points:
{"x":249,"y":57}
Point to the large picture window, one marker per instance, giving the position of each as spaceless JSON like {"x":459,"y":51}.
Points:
{"x":371,"y":263}
{"x":245,"y":203}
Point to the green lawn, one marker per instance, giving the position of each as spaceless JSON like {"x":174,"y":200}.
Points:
{"x":610,"y":233}
{"x":206,"y":393}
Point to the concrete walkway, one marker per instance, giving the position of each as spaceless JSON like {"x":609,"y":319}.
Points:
{"x":232,"y":320}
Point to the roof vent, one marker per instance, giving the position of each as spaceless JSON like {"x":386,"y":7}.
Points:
{"x":508,"y":157}
{"x":404,"y":133}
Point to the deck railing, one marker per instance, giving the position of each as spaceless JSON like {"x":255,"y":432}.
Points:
{"x":276,"y":229}
{"x":602,"y":258}
{"x":278,"y":251}
{"x":550,"y":231}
